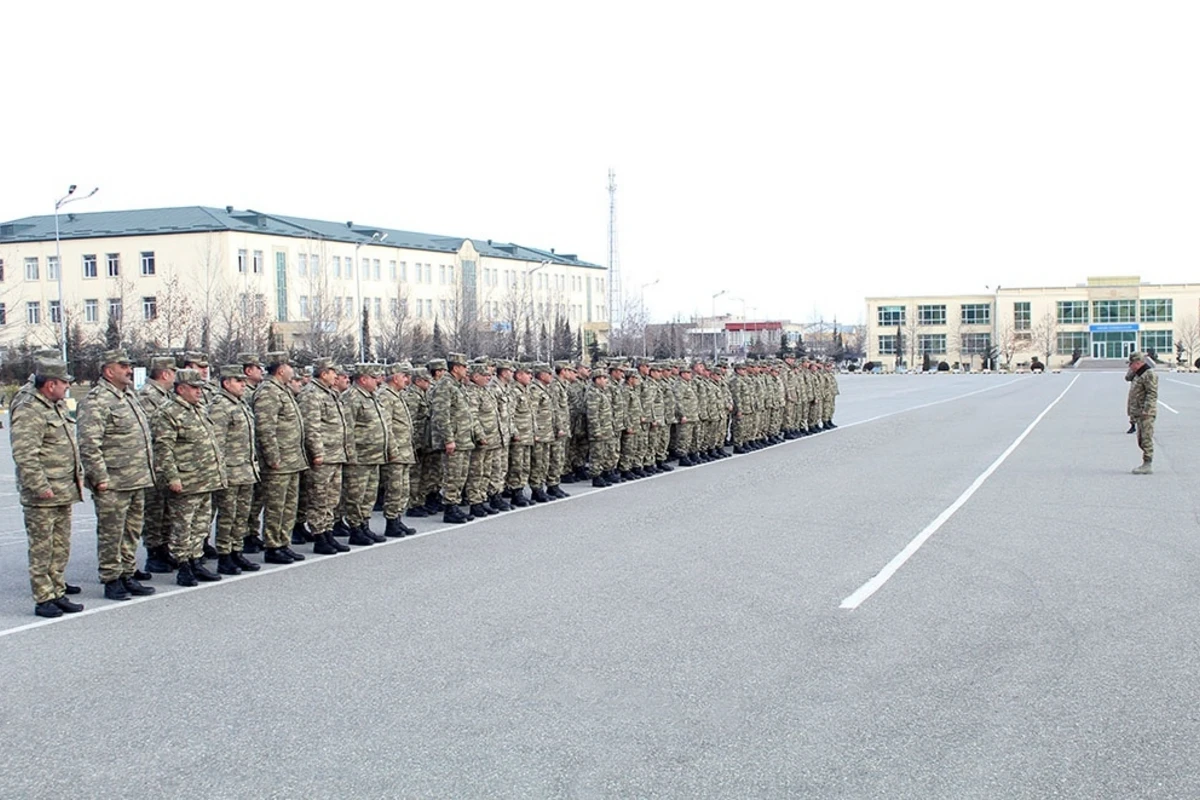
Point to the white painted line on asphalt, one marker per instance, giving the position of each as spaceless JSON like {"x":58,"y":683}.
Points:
{"x":275,"y":569}
{"x":1183,"y":383}
{"x":864,"y":592}
{"x":1167,"y":407}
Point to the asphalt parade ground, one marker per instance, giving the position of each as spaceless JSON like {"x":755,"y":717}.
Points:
{"x":961,"y":592}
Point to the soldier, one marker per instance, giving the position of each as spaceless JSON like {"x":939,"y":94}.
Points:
{"x":1143,"y":407}
{"x":831,"y":394}
{"x":454,"y":432}
{"x":545,"y":431}
{"x":486,"y":414}
{"x":199,"y":362}
{"x":432,"y":458}
{"x":397,"y":471}
{"x":602,"y":429}
{"x":330,"y":445}
{"x":233,"y":429}
{"x":279,"y":433}
{"x":520,"y":447}
{"x":416,"y":397}
{"x":631,"y":437}
{"x":373,"y":448}
{"x":687,"y":407}
{"x":499,"y":387}
{"x":50,"y":480}
{"x":660,"y":428}
{"x":118,"y":465}
{"x":27,"y":390}
{"x":252,"y":370}
{"x":577,"y":448}
{"x":556,"y":386}
{"x":190,"y":469}
{"x":154,"y":394}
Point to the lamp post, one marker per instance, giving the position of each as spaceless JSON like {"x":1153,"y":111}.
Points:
{"x":537,"y":340}
{"x":69,"y":197}
{"x":714,"y":320}
{"x":376,"y":237}
{"x":642,"y":301}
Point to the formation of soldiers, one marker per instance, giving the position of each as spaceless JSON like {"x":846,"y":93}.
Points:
{"x":271,"y":457}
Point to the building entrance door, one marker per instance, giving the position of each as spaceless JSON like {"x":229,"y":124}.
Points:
{"x":1098,"y":349}
{"x":1126,"y":349}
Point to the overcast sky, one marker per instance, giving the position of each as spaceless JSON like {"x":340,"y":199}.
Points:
{"x":798,"y":156}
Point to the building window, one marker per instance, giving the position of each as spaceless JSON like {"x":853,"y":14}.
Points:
{"x":149,"y":308}
{"x":89,"y":266}
{"x":1158,"y":341}
{"x":931,"y":343}
{"x":889,"y":316}
{"x":394,"y":307}
{"x":91,"y":310}
{"x":441,"y":274}
{"x":281,"y":302}
{"x":1,"y":270}
{"x":3,"y":314}
{"x":337,"y":266}
{"x":314,"y":264}
{"x":404,"y":272}
{"x":302,"y":265}
{"x":303,"y":306}
{"x":375,"y":273}
{"x":429,"y":273}
{"x":378,"y":307}
{"x":337,"y":306}
{"x":1072,"y":341}
{"x":976,"y":314}
{"x":1157,"y":311}
{"x":366,"y":269}
{"x":450,"y":273}
{"x":257,"y":262}
{"x":113,"y":260}
{"x":147,"y":264}
{"x":887,"y":343}
{"x":55,"y":312}
{"x":391,"y":270}
{"x":1022,"y":316}
{"x":1072,"y":312}
{"x":242,"y":258}
{"x":931,"y":315}
{"x":976,"y":342}
{"x":33,"y":312}
{"x":442,"y":308}
{"x":52,"y":268}
{"x":1114,"y":311}
{"x":31,"y":269}
{"x":115,"y":308}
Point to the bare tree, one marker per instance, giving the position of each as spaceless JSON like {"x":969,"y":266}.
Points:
{"x":912,"y":330}
{"x":1009,"y":344}
{"x":1187,"y":334}
{"x":173,"y":324}
{"x":1045,"y":335}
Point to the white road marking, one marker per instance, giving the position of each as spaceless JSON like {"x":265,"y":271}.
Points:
{"x":1167,"y":407}
{"x":1183,"y":383}
{"x":275,"y":569}
{"x":864,"y":592}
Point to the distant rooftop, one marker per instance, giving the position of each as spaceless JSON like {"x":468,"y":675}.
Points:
{"x":204,"y":219}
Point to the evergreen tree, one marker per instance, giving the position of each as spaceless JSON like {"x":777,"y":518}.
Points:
{"x":438,"y":343}
{"x":367,"y":354}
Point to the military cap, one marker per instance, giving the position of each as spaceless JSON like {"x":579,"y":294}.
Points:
{"x":189,"y":377}
{"x":370,"y":370}
{"x":162,"y":362}
{"x":434,"y":364}
{"x":523,"y":366}
{"x":456,"y":358}
{"x":561,"y":365}
{"x":481,"y":360}
{"x":232,"y":371}
{"x":478,"y":369}
{"x":598,"y":374}
{"x":400,"y":368}
{"x":47,"y":354}
{"x":196,"y":357}
{"x":323,"y":363}
{"x":421,"y":374}
{"x":54,"y":368}
{"x":249,"y":360}
{"x":275,"y":357}
{"x":1135,"y":356}
{"x":685,"y":368}
{"x":615,"y":365}
{"x":118,"y":356}
{"x":504,"y":364}
{"x":343,"y":369}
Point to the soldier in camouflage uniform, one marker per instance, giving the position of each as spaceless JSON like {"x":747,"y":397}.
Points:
{"x":686,"y":412}
{"x":602,"y":429}
{"x":118,"y":465}
{"x":577,"y":448}
{"x":190,"y":469}
{"x":50,"y":479}
{"x":558,"y":389}
{"x":549,"y":426}
{"x":632,"y":438}
{"x":432,"y":461}
{"x":373,"y":448}
{"x":486,"y":413}
{"x":396,"y":472}
{"x":233,"y":429}
{"x":1143,"y":407}
{"x":454,"y":431}
{"x":199,"y":362}
{"x":831,"y":393}
{"x":520,"y":449}
{"x":416,"y":397}
{"x":499,"y":387}
{"x":279,"y":433}
{"x":27,"y":390}
{"x":155,"y":393}
{"x":328,"y":445}
{"x":660,"y":417}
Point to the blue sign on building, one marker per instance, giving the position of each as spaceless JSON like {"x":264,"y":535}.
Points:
{"x":1113,"y":327}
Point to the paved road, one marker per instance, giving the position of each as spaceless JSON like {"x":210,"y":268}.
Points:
{"x":684,"y":636}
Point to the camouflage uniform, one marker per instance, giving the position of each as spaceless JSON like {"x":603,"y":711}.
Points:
{"x":1143,"y":406}
{"x":326,"y":439}
{"x":577,"y":451}
{"x":562,"y":424}
{"x":115,"y":447}
{"x":397,"y":471}
{"x":373,"y":447}
{"x":417,"y":401}
{"x":233,"y":429}
{"x":499,"y":389}
{"x":279,"y":431}
{"x":47,"y":459}
{"x":521,"y":445}
{"x":602,"y":430}
{"x":486,"y":415}
{"x":450,"y":421}
{"x":153,"y":396}
{"x":686,"y":413}
{"x":544,"y":433}
{"x":186,"y":454}
{"x":632,"y":438}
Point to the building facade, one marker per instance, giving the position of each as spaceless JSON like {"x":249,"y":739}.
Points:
{"x":162,"y":274}
{"x":1105,"y":318}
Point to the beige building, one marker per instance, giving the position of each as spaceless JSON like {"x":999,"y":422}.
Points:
{"x":1105,"y":318}
{"x":163,"y":274}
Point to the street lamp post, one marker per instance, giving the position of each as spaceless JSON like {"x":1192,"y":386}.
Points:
{"x":69,"y":197}
{"x":376,"y":237}
{"x":714,"y":320}
{"x":537,"y":339}
{"x":642,"y":293}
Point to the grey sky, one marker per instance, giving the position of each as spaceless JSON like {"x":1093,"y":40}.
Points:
{"x":800,"y":157}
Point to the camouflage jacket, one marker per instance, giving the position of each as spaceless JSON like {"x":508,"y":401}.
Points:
{"x":577,"y":397}
{"x":185,"y":448}
{"x":326,"y":425}
{"x":418,"y":408}
{"x":503,"y":412}
{"x":542,"y":406}
{"x":233,"y":427}
{"x":520,"y":413}
{"x":617,"y":393}
{"x":562,"y":407}
{"x":687,"y":405}
{"x":372,"y":435}
{"x":487,"y":415}
{"x":279,"y":428}
{"x":601,"y":425}
{"x":450,"y":418}
{"x":45,"y":452}
{"x":114,"y":439}
{"x":634,"y":414}
{"x":153,"y":397}
{"x":395,"y":410}
{"x":1143,"y":393}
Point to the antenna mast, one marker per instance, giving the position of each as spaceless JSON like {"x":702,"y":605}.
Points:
{"x":614,"y":266}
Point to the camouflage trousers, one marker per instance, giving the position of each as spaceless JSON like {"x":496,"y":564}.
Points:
{"x":454,"y":471}
{"x":323,"y":489}
{"x":1145,"y":436}
{"x":539,"y":463}
{"x":188,"y":518}
{"x":154,"y":522}
{"x":302,"y":501}
{"x":647,"y":455}
{"x":604,"y":455}
{"x":361,"y":485}
{"x":577,"y":451}
{"x":281,"y":493}
{"x":396,"y":493}
{"x":118,"y":527}
{"x":816,"y":414}
{"x":233,"y":506}
{"x":742,"y":429}
{"x":499,"y":471}
{"x":685,"y":438}
{"x":415,"y":498}
{"x":432,"y":467}
{"x":660,"y":437}
{"x":830,"y":405}
{"x":631,"y":449}
{"x":254,"y":517}
{"x":558,"y":461}
{"x":479,"y":473}
{"x":520,"y":457}
{"x":49,"y":531}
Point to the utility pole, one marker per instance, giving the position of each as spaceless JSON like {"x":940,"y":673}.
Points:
{"x":614,"y":267}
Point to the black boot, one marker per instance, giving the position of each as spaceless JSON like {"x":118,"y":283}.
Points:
{"x":246,"y":564}
{"x":227,"y":566}
{"x":48,"y":609}
{"x":478,"y":510}
{"x":665,"y":467}
{"x":300,"y":534}
{"x":434,"y":503}
{"x":203,"y":573}
{"x":418,"y":511}
{"x":395,"y":529}
{"x":209,"y":550}
{"x":453,"y":515}
{"x":68,"y":607}
{"x":340,"y":528}
{"x":325,"y":545}
{"x":275,"y":555}
{"x":185,"y":577}
{"x":1132,"y":428}
{"x":359,"y":538}
{"x":115,"y":590}
{"x":556,"y":491}
{"x":499,"y":503}
{"x":159,"y":560}
{"x":518,"y":498}
{"x":600,"y":483}
{"x":375,"y":537}
{"x":135,"y":588}
{"x":538,"y":495}
{"x":252,"y":544}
